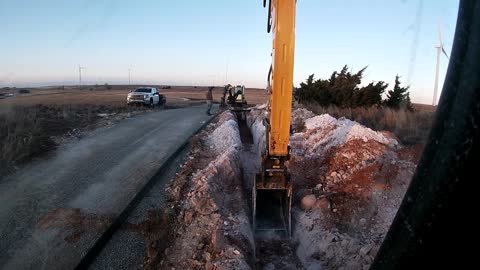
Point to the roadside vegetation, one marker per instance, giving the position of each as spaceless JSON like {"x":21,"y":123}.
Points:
{"x":342,"y":96}
{"x":410,"y":127}
{"x":27,"y":132}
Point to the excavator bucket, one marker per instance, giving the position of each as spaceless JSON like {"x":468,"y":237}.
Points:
{"x":272,"y":208}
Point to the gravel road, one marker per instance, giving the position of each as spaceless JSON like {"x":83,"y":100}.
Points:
{"x":126,"y":249}
{"x":53,"y":210}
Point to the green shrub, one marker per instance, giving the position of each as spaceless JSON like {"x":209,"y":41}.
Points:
{"x":343,"y":90}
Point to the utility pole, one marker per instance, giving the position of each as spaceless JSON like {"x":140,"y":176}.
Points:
{"x":129,"y":77}
{"x":80,"y":76}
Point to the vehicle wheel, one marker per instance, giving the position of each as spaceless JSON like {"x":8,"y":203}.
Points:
{"x":151,"y":103}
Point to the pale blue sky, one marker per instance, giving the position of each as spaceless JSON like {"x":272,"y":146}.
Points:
{"x":185,"y":42}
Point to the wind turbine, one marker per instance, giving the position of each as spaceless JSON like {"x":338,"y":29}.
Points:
{"x":80,"y":76}
{"x":440,"y":49}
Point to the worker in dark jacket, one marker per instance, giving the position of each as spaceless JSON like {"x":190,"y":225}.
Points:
{"x":209,"y":99}
{"x":224,"y":96}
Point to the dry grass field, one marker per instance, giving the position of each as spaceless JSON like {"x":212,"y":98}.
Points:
{"x":411,"y":127}
{"x":91,"y":95}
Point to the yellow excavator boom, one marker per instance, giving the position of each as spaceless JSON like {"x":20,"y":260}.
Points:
{"x":283,"y":27}
{"x":272,"y":193}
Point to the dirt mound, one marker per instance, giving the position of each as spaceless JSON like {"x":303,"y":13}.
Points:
{"x":212,"y":230}
{"x":324,"y":131}
{"x":349,"y":180}
{"x":348,"y":183}
{"x":298,"y":119}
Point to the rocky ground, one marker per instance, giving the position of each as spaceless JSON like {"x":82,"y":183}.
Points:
{"x":348,"y":183}
{"x":207,"y":207}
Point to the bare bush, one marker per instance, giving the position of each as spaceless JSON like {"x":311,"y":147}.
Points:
{"x":27,"y":132}
{"x":24,"y":91}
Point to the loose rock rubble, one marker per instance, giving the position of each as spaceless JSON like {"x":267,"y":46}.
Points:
{"x":350,"y":181}
{"x":212,"y":230}
{"x":298,"y":118}
{"x":348,"y":184}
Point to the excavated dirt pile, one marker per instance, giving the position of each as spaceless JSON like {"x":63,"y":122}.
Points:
{"x":348,"y":183}
{"x":210,"y":228}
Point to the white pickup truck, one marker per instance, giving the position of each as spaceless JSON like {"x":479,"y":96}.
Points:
{"x":146,"y":96}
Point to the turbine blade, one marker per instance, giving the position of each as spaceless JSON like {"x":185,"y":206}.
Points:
{"x":440,"y":36}
{"x":440,"y":32}
{"x":444,"y":52}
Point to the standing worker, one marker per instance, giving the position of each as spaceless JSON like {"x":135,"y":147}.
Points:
{"x":209,"y":99}
{"x":222,"y":99}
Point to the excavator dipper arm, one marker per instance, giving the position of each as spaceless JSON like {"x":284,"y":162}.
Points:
{"x":272,"y":192}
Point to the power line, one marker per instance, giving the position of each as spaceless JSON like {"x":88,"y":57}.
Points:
{"x":416,"y":36}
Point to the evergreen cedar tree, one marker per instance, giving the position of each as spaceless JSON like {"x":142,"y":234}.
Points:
{"x":342,"y":90}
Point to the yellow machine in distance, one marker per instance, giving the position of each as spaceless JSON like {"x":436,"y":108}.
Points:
{"x":272,"y":193}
